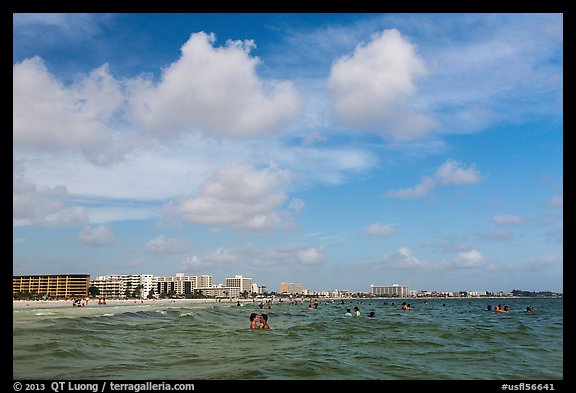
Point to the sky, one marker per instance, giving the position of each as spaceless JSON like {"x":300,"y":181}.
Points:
{"x":333,"y":150}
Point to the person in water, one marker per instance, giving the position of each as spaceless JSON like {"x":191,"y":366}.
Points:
{"x":264,"y":322}
{"x":372,"y":314}
{"x":254,"y":319}
{"x":348,"y":312}
{"x":356,"y":311}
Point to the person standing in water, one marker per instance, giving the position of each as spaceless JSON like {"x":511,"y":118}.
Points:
{"x":264,"y":322}
{"x":254,"y":319}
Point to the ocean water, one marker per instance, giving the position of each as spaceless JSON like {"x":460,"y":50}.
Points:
{"x":446,"y":339}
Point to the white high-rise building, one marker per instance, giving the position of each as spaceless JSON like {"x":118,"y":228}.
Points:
{"x":240,"y":282}
{"x":389,"y":290}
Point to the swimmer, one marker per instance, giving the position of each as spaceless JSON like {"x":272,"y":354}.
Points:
{"x":356,"y":311}
{"x":254,"y":321}
{"x":372,"y":314}
{"x":264,"y":322}
{"x":348,"y":313}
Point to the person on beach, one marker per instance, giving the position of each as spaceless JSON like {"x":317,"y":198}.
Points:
{"x":264,"y":322}
{"x":254,"y":319}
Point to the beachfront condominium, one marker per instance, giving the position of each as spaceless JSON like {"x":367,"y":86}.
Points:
{"x":119,"y":286}
{"x":291,"y":288}
{"x":181,"y":284}
{"x":59,"y":286}
{"x":389,"y":290}
{"x":244,"y":284}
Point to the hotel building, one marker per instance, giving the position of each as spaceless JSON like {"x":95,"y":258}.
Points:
{"x":59,"y":286}
{"x":389,"y":290}
{"x":182,"y":285}
{"x":291,"y":287}
{"x":243,"y":284}
{"x":120,"y":286}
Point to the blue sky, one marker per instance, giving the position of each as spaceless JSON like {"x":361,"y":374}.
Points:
{"x":333,"y":150}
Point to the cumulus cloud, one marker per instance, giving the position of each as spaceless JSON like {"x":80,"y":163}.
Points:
{"x":380,"y":230}
{"x":311,"y":256}
{"x":215,"y":89}
{"x":96,"y":236}
{"x":374,"y":87}
{"x":33,"y":205}
{"x":49,"y":116}
{"x":163,"y":245}
{"x":403,"y":258}
{"x":471,"y":258}
{"x":239,"y":196}
{"x":221,"y":257}
{"x":451,"y":172}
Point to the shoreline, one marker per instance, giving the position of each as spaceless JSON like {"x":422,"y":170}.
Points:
{"x":33,"y":304}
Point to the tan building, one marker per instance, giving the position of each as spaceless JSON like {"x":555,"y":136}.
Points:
{"x":59,"y":286}
{"x":291,"y":287}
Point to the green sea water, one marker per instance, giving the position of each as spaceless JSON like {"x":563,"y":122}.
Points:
{"x":445,"y":339}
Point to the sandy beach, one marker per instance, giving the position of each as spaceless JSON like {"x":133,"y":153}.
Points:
{"x":17,"y":304}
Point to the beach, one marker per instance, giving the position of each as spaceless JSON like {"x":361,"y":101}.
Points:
{"x":19,"y":304}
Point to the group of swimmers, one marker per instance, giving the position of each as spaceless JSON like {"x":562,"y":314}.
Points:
{"x":259,"y":321}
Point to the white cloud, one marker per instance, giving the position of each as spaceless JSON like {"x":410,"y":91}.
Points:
{"x":403,"y":258}
{"x":311,"y":256}
{"x":163,"y":245}
{"x":375,"y":87}
{"x":543,"y":261}
{"x":221,"y":257}
{"x":33,"y":205}
{"x":451,"y":172}
{"x":192,"y":263}
{"x":423,"y":188}
{"x":48,"y":116}
{"x":96,"y":236}
{"x":296,"y":204}
{"x":471,"y":258}
{"x":380,"y":230}
{"x":505,"y":219}
{"x":239,"y":196}
{"x":214,"y":89}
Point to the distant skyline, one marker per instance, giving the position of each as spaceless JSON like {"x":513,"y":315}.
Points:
{"x":332,"y":150}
